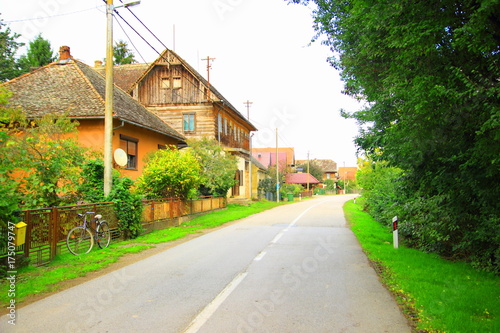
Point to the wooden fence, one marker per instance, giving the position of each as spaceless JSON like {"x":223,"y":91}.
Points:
{"x":47,"y":227}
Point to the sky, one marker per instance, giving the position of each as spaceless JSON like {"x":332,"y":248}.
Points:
{"x":261,"y":49}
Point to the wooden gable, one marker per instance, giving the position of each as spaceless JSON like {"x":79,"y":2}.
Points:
{"x":181,"y":97}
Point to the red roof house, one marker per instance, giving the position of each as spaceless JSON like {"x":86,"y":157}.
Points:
{"x":301,"y":178}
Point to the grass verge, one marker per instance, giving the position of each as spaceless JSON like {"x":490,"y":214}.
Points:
{"x":39,"y":280}
{"x":438,"y":295}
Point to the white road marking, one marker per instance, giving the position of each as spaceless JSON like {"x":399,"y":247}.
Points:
{"x":210,"y":309}
{"x":260,"y":256}
{"x":277,"y":238}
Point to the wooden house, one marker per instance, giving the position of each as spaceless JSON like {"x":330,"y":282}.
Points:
{"x":71,"y":87}
{"x":182,"y":98}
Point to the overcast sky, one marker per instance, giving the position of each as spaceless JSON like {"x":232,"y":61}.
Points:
{"x":261,"y":50}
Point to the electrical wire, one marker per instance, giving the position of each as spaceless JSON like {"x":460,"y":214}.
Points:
{"x":50,"y":16}
{"x":130,"y":40}
{"x":193,"y":83}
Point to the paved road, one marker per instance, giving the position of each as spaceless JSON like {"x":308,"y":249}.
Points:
{"x":295,"y":268}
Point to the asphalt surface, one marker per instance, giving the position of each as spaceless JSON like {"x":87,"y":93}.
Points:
{"x":295,"y":268}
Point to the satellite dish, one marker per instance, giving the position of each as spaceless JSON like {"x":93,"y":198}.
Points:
{"x":121,"y":157}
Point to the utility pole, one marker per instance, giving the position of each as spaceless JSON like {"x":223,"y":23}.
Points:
{"x":308,"y":170}
{"x":248,"y":104}
{"x":277,"y":171}
{"x":209,"y":66}
{"x":108,"y":102}
{"x":108,"y":106}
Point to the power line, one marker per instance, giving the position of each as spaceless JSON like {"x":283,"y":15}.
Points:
{"x":138,"y":34}
{"x":51,"y":16}
{"x":194,"y":84}
{"x":130,"y":40}
{"x":133,"y":14}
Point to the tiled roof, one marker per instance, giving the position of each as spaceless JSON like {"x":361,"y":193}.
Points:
{"x":268,"y":159}
{"x":300,"y":178}
{"x":77,"y":89}
{"x":325,"y":165}
{"x":125,"y":76}
{"x":257,"y":163}
{"x":290,"y":153}
{"x":348,"y":172}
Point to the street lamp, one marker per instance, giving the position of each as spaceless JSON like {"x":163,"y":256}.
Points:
{"x":108,"y":105}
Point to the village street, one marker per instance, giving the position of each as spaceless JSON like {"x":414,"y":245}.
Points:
{"x":295,"y":268}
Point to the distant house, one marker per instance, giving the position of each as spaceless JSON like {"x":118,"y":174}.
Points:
{"x":182,"y":98}
{"x":267,"y":156}
{"x":329,"y":167}
{"x":348,"y":173}
{"x":301,"y":178}
{"x":70,"y":87}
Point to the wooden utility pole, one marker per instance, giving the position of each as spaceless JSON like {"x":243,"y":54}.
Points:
{"x":108,"y":106}
{"x":209,"y":66}
{"x":307,"y":171}
{"x":248,"y":104}
{"x":277,"y":171}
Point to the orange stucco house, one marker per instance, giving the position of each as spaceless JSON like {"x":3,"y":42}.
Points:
{"x":72,"y":87}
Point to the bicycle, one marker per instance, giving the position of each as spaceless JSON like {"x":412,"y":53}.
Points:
{"x":80,"y":239}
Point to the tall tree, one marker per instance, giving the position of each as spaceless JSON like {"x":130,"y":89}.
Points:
{"x":429,"y":71}
{"x":9,"y":67}
{"x":39,"y":54}
{"x":122,"y":54}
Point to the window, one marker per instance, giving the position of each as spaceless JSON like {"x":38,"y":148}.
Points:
{"x":177,"y":82}
{"x":188,"y":122}
{"x":129,"y":145}
{"x":160,"y":147}
{"x":165,"y":83}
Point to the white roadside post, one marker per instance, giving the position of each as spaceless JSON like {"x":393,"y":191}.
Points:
{"x":395,"y":231}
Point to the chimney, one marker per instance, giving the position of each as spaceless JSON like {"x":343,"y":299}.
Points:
{"x":97,"y":63}
{"x":64,"y":54}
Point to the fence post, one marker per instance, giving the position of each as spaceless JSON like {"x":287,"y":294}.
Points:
{"x":29,"y":227}
{"x":53,"y":230}
{"x":152,"y":212}
{"x":171,"y":209}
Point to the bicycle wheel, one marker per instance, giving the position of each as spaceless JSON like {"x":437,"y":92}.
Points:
{"x":103,"y":234}
{"x":79,"y":241}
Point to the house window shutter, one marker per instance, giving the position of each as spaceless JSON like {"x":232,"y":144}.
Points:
{"x":165,"y":83}
{"x":177,"y":82}
{"x":130,"y":146}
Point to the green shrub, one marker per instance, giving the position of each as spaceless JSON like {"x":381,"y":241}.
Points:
{"x":128,"y":208}
{"x":170,"y":173}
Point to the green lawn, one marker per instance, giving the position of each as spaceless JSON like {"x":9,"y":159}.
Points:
{"x":38,"y":280}
{"x":441,"y":296}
